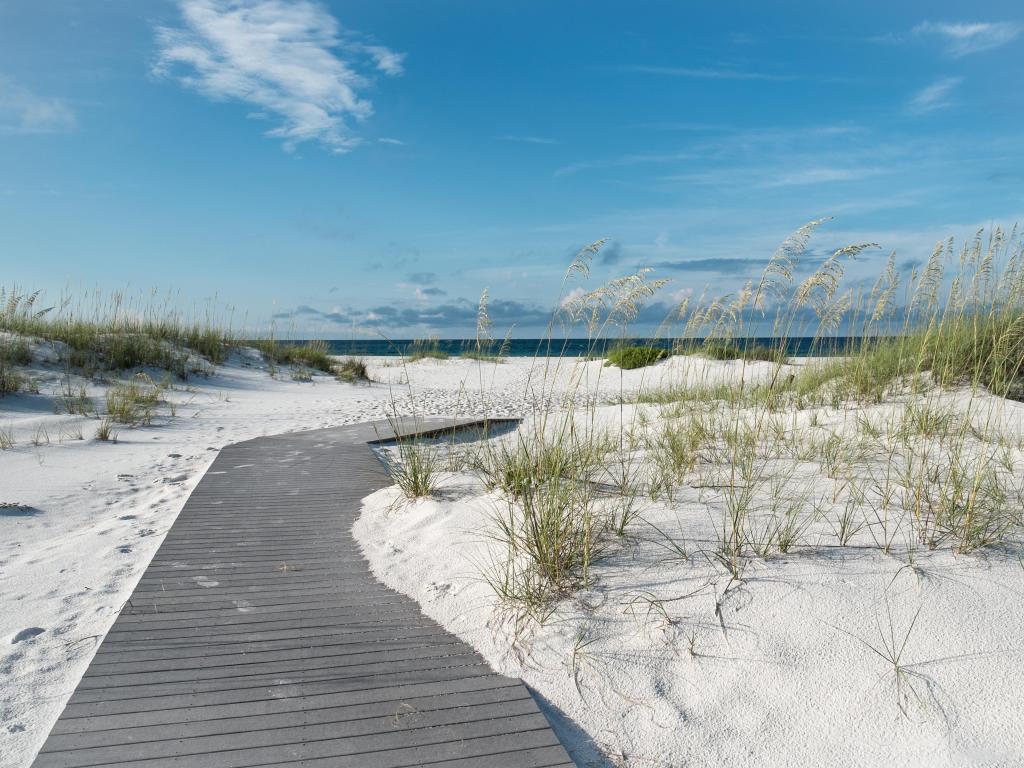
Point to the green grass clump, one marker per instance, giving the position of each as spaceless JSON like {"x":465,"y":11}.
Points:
{"x":311,"y":354}
{"x":629,"y":358}
{"x":482,"y":356}
{"x":416,"y":470}
{"x":553,"y":533}
{"x":352,"y":370}
{"x":116,"y":335}
{"x":105,"y":432}
{"x":13,"y":352}
{"x":536,"y":458}
{"x":134,"y":402}
{"x":422,"y":349}
{"x":11,"y":381}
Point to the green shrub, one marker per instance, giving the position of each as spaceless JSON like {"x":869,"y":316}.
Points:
{"x":628,"y":358}
{"x":119,"y":337}
{"x":421,"y":349}
{"x":133,"y":402}
{"x":15,"y":351}
{"x":312,"y":354}
{"x":12,"y":352}
{"x":10,"y":380}
{"x":352,"y":370}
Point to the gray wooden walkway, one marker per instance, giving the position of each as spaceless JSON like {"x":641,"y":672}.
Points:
{"x":257,"y":636}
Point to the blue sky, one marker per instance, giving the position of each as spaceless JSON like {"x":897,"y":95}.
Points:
{"x":376,"y":164}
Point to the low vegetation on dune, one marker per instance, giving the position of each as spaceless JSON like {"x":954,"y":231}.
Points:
{"x":426,"y":349}
{"x":902,"y":442}
{"x":314,"y":355}
{"x":117,"y":334}
{"x":352,"y":370}
{"x":91,"y":338}
{"x":628,"y":358}
{"x":112,"y":360}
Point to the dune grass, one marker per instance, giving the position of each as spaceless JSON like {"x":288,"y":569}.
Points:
{"x":309,"y":354}
{"x":629,"y":358}
{"x":134,"y":402}
{"x":864,"y":446}
{"x":426,"y":349}
{"x":114,"y":333}
{"x":352,"y":370}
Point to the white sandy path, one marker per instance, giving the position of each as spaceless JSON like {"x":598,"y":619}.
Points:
{"x":94,"y":513}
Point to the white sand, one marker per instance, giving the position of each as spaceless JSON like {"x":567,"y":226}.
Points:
{"x":781,"y":674}
{"x":91,"y":514}
{"x":667,"y":662}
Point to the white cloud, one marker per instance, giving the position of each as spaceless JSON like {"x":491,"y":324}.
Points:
{"x":291,"y":60}
{"x":574,"y":295}
{"x":396,"y":142}
{"x":938,"y":95}
{"x":528,"y":139}
{"x":705,"y":73}
{"x":964,"y":38}
{"x":24,"y":112}
{"x":821,"y":175}
{"x":387,"y":61}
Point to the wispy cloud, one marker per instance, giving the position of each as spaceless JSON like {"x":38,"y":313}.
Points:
{"x":24,"y":112}
{"x":623,"y":161}
{"x":723,"y":144}
{"x":938,"y":95}
{"x":389,"y":62}
{"x":529,"y":139}
{"x":705,"y":73}
{"x":291,"y":60}
{"x":424,"y":294}
{"x":821,"y":175}
{"x":454,"y":316}
{"x":719,"y":266}
{"x":394,"y":142}
{"x":963,"y":38}
{"x":775,"y":176}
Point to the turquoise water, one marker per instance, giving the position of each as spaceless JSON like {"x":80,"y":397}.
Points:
{"x":566,"y":347}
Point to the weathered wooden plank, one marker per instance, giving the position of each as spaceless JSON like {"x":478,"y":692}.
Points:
{"x":418,"y":695}
{"x":257,"y":636}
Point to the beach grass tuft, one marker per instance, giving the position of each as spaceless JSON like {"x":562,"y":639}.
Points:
{"x":426,"y":349}
{"x":352,"y":370}
{"x":115,"y":333}
{"x":629,"y":358}
{"x":314,"y":354}
{"x":134,"y":402}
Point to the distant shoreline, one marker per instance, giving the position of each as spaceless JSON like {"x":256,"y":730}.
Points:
{"x":572,"y":347}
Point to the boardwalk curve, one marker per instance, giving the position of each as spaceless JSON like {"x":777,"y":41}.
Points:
{"x":257,"y":636}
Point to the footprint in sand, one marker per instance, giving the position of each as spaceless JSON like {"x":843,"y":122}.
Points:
{"x":27,"y":634}
{"x":441,"y":589}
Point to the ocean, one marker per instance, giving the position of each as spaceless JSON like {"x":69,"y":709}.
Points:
{"x":567,"y":347}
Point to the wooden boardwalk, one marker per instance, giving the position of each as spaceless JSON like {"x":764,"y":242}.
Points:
{"x":258,"y":636}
